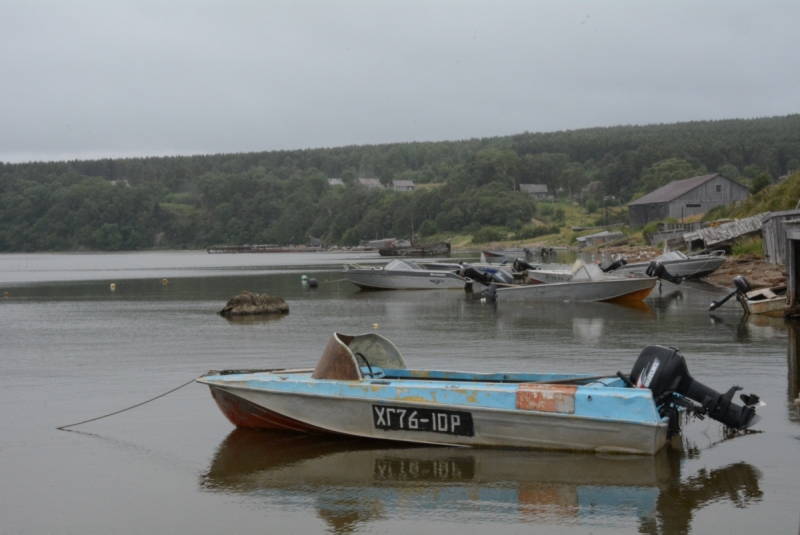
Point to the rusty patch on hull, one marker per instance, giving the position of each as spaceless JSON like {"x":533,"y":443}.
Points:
{"x":632,"y":297}
{"x":546,"y":398}
{"x":243,"y":413}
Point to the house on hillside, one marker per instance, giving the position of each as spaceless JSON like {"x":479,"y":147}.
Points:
{"x":403,"y":185}
{"x":537,"y":191}
{"x":370,"y":183}
{"x":683,"y":198}
{"x":335,"y":182}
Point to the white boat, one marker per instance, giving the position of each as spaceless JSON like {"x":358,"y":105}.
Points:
{"x":362,"y":387}
{"x":587,"y":283}
{"x":765,"y":301}
{"x":680,"y":265}
{"x":406,"y":275}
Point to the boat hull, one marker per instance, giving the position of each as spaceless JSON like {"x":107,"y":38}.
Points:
{"x":378,"y":279}
{"x":765,"y":302}
{"x":629,"y":289}
{"x":260,"y":408}
{"x":690,"y":268}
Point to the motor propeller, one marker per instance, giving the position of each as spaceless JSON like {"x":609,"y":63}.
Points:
{"x":663,"y":370}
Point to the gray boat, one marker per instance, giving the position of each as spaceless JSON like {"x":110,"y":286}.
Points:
{"x":406,"y":275}
{"x":680,"y":265}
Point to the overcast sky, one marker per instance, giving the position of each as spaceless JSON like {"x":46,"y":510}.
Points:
{"x":110,"y":78}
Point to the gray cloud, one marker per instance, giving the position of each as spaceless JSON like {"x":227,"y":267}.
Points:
{"x":124,"y":78}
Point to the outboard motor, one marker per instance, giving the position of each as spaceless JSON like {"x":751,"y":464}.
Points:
{"x":657,"y":269}
{"x":741,"y":287}
{"x":477,"y":275}
{"x":521,"y":265}
{"x":663,"y":370}
{"x":488,"y":275}
{"x":614,"y":265}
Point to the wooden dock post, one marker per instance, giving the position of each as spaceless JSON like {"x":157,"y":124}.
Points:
{"x":792,"y":227}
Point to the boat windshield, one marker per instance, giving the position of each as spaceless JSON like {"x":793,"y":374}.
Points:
{"x":587,"y":272}
{"x":401,"y":265}
{"x":672,"y":255}
{"x":344,"y":356}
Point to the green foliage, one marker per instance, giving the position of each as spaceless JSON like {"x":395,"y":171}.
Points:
{"x":651,"y":228}
{"x":534,"y":231}
{"x":749,"y":246}
{"x":488,"y":234}
{"x":428,"y":228}
{"x":760,"y":182}
{"x":283,"y":196}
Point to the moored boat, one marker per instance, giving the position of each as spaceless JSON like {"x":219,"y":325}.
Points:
{"x":362,"y":387}
{"x":506,"y":256}
{"x":406,"y":275}
{"x":679,"y":264}
{"x":764,"y":301}
{"x":585,"y":283}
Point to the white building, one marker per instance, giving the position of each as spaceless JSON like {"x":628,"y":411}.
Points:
{"x":403,"y":185}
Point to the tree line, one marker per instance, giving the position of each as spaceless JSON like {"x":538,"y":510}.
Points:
{"x":283,"y":196}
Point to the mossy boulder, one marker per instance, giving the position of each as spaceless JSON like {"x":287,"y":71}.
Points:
{"x":250,"y":304}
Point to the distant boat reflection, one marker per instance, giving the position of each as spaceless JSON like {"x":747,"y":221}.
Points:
{"x":352,"y":482}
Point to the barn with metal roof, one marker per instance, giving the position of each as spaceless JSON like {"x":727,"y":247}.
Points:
{"x":684,"y":198}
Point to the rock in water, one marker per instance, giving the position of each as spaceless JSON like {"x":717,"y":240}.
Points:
{"x":248,"y":303}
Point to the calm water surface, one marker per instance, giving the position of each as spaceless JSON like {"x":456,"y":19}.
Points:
{"x":72,"y":349}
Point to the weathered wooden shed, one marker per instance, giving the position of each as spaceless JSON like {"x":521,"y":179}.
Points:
{"x":774,"y":231}
{"x":683,"y":198}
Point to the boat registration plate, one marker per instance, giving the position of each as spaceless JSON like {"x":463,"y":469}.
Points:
{"x":392,"y":418}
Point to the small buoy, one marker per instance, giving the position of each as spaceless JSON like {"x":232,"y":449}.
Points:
{"x":312,"y":283}
{"x":303,"y":277}
{"x":113,"y":286}
{"x":164,"y":282}
{"x":483,"y":300}
{"x":375,"y":325}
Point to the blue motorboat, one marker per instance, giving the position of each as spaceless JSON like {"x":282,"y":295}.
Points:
{"x":362,"y":387}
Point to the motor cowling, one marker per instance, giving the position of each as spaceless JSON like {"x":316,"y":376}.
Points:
{"x":742,"y":284}
{"x":657,"y":269}
{"x":663,"y":370}
{"x":477,"y":275}
{"x":488,"y":275}
{"x":521,"y":265}
{"x":614,"y":265}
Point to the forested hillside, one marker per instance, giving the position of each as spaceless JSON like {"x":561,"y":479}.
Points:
{"x":283,"y":196}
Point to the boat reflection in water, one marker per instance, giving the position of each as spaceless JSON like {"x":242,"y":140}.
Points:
{"x":353,"y":482}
